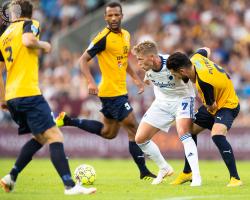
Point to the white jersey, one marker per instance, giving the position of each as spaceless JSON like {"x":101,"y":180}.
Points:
{"x":166,"y":87}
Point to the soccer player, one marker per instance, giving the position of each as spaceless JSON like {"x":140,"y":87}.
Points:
{"x":174,"y":100}
{"x":111,"y":46}
{"x":19,"y":46}
{"x":220,"y":102}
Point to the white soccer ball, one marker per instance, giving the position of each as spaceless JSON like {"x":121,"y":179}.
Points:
{"x":85,"y":174}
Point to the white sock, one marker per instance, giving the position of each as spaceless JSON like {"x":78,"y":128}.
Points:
{"x":153,"y":152}
{"x":191,"y":153}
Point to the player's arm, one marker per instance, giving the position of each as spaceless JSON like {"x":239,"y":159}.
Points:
{"x":30,"y":37}
{"x":136,"y":79}
{"x":208,"y":93}
{"x":95,"y":47}
{"x":84,"y":59}
{"x":2,"y":88}
{"x":204,"y":51}
{"x":146,"y":80}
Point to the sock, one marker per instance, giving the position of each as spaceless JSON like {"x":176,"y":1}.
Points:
{"x":138,"y":157}
{"x":191,"y":153}
{"x":153,"y":152}
{"x":90,"y":126}
{"x":61,"y":164}
{"x":187,"y":168}
{"x":227,"y":154}
{"x":25,"y":156}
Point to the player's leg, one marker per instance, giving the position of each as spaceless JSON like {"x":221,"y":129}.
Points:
{"x":91,"y":126}
{"x":23,"y":159}
{"x":41,"y":123}
{"x":54,"y":138}
{"x":43,"y":127}
{"x":202,"y":120}
{"x":107,"y":129}
{"x":156,"y":118}
{"x":110,"y":126}
{"x":27,"y":151}
{"x":223,"y":121}
{"x":183,"y":126}
{"x":143,"y":137}
{"x":130,"y":125}
{"x":184,"y":118}
{"x":186,"y":174}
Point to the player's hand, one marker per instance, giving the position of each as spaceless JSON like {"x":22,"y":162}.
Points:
{"x":46,"y":47}
{"x":147,"y":82}
{"x":212,"y":108}
{"x":92,"y":88}
{"x":4,"y":106}
{"x":140,"y":86}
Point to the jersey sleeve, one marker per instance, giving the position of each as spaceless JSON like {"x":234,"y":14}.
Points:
{"x":31,"y":27}
{"x":207,"y":90}
{"x":202,"y":52}
{"x":1,"y":57}
{"x":97,"y":45}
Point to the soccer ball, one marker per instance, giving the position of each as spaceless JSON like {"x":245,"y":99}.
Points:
{"x":85,"y":174}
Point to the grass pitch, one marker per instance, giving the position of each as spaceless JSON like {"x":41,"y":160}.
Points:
{"x":118,"y":180}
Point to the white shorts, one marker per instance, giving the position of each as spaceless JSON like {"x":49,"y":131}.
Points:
{"x":162,"y":114}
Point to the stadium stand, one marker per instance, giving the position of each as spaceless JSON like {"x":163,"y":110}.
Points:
{"x":223,"y":25}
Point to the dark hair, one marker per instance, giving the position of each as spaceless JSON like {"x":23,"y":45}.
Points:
{"x":113,"y":5}
{"x":177,"y":61}
{"x":26,"y":7}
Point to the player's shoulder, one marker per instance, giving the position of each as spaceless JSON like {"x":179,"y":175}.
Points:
{"x":35,"y":23}
{"x":102,"y":34}
{"x":196,"y":56}
{"x":124,"y":31}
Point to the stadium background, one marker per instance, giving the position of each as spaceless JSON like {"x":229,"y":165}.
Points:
{"x":184,"y":25}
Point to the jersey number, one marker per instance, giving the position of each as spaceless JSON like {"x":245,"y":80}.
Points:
{"x":184,"y":106}
{"x":9,"y":50}
{"x":220,"y":69}
{"x":127,"y":106}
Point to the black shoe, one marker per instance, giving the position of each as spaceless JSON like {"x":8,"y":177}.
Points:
{"x":147,"y":176}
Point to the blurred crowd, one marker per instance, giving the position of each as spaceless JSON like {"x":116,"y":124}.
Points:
{"x":184,"y":25}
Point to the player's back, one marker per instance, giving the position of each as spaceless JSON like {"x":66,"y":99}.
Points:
{"x":210,"y":75}
{"x":166,"y":87}
{"x":21,"y":62}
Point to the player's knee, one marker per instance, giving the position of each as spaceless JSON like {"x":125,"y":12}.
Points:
{"x":39,"y":138}
{"x":109,"y":137}
{"x":182,"y":131}
{"x":53,"y":135}
{"x":139,"y":139}
{"x":108,"y":134}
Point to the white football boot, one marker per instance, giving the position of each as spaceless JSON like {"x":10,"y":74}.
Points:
{"x":7,"y":183}
{"x":78,"y":189}
{"x":164,"y":172}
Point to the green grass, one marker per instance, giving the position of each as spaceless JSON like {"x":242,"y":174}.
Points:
{"x":118,"y":180}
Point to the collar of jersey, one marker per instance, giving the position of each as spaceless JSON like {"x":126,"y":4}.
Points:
{"x":162,"y":64}
{"x":21,"y":19}
{"x":113,"y":31}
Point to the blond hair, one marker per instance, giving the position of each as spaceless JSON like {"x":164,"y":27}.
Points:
{"x":145,"y":48}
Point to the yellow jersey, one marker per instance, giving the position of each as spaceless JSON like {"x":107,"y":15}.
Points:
{"x":112,"y":51}
{"x":213,"y":83}
{"x":21,"y":62}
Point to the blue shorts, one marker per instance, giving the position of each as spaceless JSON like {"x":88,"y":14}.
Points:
{"x":32,"y":114}
{"x":224,"y":116}
{"x":117,"y":108}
